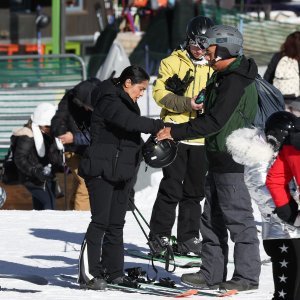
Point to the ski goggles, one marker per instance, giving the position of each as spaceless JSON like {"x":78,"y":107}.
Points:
{"x":200,"y":42}
{"x":196,"y":44}
{"x":205,"y":42}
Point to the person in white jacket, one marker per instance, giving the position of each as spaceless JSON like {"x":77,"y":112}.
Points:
{"x":281,"y":241}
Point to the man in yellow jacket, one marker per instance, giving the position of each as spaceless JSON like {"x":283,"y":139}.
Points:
{"x":182,"y":75}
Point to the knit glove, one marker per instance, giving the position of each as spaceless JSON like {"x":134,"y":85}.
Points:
{"x":177,"y":86}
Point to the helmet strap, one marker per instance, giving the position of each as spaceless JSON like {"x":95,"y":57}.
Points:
{"x":222,"y":53}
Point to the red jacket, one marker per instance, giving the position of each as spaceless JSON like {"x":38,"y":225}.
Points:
{"x":285,"y":167}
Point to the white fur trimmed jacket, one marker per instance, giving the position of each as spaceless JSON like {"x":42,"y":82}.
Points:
{"x":249,"y":148}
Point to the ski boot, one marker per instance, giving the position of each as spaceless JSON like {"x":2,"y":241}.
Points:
{"x":191,"y":247}
{"x":158,"y":245}
{"x":96,"y":283}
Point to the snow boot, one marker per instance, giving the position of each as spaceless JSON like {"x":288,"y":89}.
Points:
{"x":196,"y":280}
{"x":191,"y":247}
{"x":96,"y":283}
{"x":238,"y":284}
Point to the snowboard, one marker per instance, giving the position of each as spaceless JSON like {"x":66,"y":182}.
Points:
{"x":157,"y":290}
{"x":179,"y":261}
{"x":35,"y":279}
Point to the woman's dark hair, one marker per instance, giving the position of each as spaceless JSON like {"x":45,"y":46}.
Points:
{"x":135,"y":73}
{"x":291,"y":46}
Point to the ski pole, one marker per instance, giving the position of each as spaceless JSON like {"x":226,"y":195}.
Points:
{"x":134,"y":206}
{"x":169,"y":255}
{"x":65,"y":179}
{"x":145,"y":221}
{"x":61,"y":147}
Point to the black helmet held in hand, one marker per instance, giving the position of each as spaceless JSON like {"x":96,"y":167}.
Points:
{"x":278,"y":127}
{"x":159,"y":154}
{"x":197,"y":26}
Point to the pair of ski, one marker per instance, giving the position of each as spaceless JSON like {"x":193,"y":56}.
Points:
{"x":179,"y":260}
{"x":158,"y":290}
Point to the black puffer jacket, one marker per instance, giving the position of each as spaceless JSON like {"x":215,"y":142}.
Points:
{"x":71,"y":116}
{"x":115,"y":149}
{"x":26,"y":157}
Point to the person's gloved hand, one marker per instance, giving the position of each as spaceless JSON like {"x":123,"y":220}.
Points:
{"x":187,"y":79}
{"x":177,"y":86}
{"x":288,"y":212}
{"x":39,"y":173}
{"x":174,"y":85}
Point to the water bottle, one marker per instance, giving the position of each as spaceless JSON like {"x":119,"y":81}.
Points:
{"x":47,"y":170}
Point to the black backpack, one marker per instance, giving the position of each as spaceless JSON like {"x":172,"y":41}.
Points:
{"x":270,"y":100}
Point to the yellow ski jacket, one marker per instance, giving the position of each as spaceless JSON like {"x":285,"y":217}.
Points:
{"x":178,"y":109}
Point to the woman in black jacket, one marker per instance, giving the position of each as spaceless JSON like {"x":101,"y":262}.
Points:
{"x":36,"y":156}
{"x":109,"y":166}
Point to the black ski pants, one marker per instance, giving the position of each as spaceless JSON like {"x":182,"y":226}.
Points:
{"x":228,"y":208}
{"x":182,"y":183}
{"x":104,"y":236}
{"x":285,"y":258}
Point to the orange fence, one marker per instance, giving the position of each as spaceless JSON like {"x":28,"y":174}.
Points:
{"x":11,"y":49}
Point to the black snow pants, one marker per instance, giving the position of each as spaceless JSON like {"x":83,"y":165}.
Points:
{"x":182,"y":183}
{"x":104,"y":236}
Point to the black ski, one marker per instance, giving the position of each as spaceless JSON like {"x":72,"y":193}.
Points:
{"x":148,"y":289}
{"x":36,"y":279}
{"x":158,"y":290}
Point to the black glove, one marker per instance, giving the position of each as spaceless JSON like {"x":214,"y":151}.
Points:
{"x":187,"y":79}
{"x":38,"y":173}
{"x":288,"y":212}
{"x":174,"y":85}
{"x":177,"y":86}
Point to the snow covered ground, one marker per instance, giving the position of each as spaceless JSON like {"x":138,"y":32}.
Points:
{"x":47,"y":243}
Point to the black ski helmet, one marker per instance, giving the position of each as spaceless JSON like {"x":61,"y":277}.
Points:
{"x":295,"y":136}
{"x":197,"y":26}
{"x":159,"y":154}
{"x":278,"y":128}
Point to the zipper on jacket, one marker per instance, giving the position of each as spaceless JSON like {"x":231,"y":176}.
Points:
{"x":194,"y":81}
{"x":193,"y":89}
{"x":116,"y":162}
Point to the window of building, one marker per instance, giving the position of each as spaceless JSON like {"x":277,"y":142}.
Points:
{"x":74,"y":5}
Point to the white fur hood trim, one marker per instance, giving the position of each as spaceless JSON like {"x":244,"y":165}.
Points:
{"x":23,"y":131}
{"x":248,"y":146}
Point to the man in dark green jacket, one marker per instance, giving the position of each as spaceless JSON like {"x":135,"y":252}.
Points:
{"x":231,"y":103}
